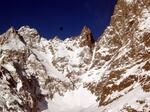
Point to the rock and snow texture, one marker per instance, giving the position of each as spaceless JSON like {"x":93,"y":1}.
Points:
{"x":78,"y":74}
{"x":34,"y":70}
{"x":123,"y":55}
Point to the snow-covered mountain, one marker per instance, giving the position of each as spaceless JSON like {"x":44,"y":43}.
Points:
{"x":79,"y":74}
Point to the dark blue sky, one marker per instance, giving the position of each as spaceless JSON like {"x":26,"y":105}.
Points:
{"x":47,"y":16}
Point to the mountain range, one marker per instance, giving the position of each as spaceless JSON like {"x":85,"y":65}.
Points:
{"x":79,"y":74}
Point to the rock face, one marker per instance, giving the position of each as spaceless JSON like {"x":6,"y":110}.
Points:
{"x":86,"y":37}
{"x":122,"y":53}
{"x":42,"y":75}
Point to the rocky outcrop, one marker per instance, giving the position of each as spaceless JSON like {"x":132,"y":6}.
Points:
{"x":86,"y":37}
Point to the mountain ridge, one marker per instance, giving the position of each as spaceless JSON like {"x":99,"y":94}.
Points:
{"x":79,"y":74}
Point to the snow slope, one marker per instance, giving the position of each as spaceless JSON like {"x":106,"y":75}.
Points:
{"x":72,"y":101}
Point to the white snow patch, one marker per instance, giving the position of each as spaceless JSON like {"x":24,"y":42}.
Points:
{"x":19,"y":85}
{"x":104,"y":51}
{"x":129,"y":1}
{"x":9,"y":67}
{"x":72,"y":101}
{"x":45,"y":59}
{"x":144,"y":22}
{"x":91,"y":76}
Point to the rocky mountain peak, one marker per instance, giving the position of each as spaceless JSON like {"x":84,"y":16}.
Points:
{"x":30,"y":35}
{"x":86,"y":30}
{"x":27,"y":30}
{"x":11,"y":30}
{"x":86,"y":37}
{"x":56,"y":38}
{"x":12,"y":37}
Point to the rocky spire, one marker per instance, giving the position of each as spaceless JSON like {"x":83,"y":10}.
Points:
{"x":86,"y":37}
{"x":86,"y":30}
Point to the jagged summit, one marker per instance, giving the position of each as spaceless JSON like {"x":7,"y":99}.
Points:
{"x":28,"y":30}
{"x":86,"y":37}
{"x":56,"y":38}
{"x":11,"y":30}
{"x":86,"y":30}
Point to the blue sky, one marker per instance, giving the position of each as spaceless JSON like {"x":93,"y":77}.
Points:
{"x":47,"y":16}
